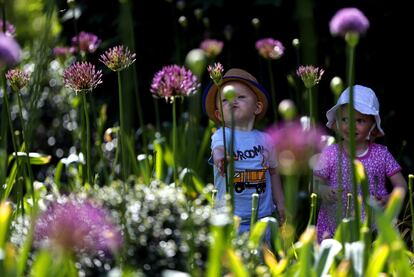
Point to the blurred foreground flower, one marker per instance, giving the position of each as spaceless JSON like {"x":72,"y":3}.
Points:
{"x":18,"y":79}
{"x":10,"y":30}
{"x":86,"y":42}
{"x":174,"y":81}
{"x":270,"y":48}
{"x":212,"y":47}
{"x":348,"y":20}
{"x":310,"y":75}
{"x":82,"y":77}
{"x":295,"y":146}
{"x":78,"y":227}
{"x":9,"y":51}
{"x":118,"y":58}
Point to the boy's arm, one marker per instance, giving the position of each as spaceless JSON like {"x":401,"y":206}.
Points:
{"x":277,"y":193}
{"x":218,"y":158}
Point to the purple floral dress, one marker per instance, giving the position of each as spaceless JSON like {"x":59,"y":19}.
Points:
{"x":379,"y":165}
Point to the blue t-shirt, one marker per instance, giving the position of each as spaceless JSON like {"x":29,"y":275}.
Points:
{"x":251,"y":174}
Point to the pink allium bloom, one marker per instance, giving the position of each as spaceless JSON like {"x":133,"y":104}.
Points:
{"x":86,"y":42}
{"x":310,"y":75}
{"x":216,"y":73}
{"x":270,"y":48}
{"x":9,"y":51}
{"x":17,"y":78}
{"x":77,"y":226}
{"x":174,"y":81}
{"x":348,"y":20}
{"x":10,"y":30}
{"x":118,"y":58}
{"x":63,"y":52}
{"x":295,"y":146}
{"x":82,"y":77}
{"x":212,"y":47}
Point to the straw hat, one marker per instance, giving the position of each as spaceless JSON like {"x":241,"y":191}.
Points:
{"x":365,"y":102}
{"x":239,"y":75}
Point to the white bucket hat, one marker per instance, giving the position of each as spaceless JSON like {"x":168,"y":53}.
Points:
{"x":365,"y":102}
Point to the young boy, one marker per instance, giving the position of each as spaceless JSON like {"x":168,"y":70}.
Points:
{"x":254,"y":160}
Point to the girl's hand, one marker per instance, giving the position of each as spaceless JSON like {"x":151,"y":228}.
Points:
{"x":328,"y":194}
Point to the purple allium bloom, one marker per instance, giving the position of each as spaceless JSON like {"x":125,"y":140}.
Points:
{"x":9,"y":51}
{"x":77,"y":226}
{"x":10,"y":30}
{"x":174,"y":81}
{"x":82,"y":77}
{"x":295,"y":146}
{"x":17,"y":78}
{"x":270,"y":48}
{"x":216,"y":73}
{"x":63,"y":52}
{"x":118,"y":58}
{"x":86,"y":42}
{"x":212,"y":47}
{"x":310,"y":75}
{"x":348,"y":20}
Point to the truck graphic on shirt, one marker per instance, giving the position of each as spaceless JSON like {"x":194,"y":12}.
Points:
{"x":250,"y":178}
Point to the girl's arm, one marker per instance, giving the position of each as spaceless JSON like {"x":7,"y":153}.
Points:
{"x":397,"y":180}
{"x":277,"y":193}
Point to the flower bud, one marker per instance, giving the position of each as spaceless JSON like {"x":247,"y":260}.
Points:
{"x":337,"y":86}
{"x":229,"y":93}
{"x":287,"y":109}
{"x":196,"y":61}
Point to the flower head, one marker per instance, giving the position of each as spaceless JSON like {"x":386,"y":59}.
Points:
{"x":63,"y":52}
{"x":18,"y":79}
{"x":270,"y":48}
{"x":216,"y":73}
{"x":86,"y":42}
{"x":82,"y":77}
{"x":9,"y":51}
{"x":348,"y":20}
{"x":310,"y":75}
{"x":295,"y":146}
{"x":118,"y":58}
{"x":77,"y":226}
{"x":174,"y":81}
{"x":212,"y":47}
{"x":10,"y":30}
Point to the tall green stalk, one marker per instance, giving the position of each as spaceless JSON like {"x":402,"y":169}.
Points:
{"x":122,"y":133}
{"x":88,"y":139}
{"x":174,"y":140}
{"x":410,"y":197}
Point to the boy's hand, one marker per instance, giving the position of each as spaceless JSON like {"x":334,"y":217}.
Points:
{"x":218,"y":159}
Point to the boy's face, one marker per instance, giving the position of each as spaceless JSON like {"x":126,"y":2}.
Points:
{"x":245,"y":106}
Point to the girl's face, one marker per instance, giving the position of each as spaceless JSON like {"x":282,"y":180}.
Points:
{"x":245,"y":106}
{"x":363,"y":125}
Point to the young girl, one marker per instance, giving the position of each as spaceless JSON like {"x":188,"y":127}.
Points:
{"x":255,"y":166}
{"x":333,"y":169}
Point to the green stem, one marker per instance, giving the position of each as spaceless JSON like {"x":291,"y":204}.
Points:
{"x":174,"y":140}
{"x":272,"y":89}
{"x":350,"y":77}
{"x":122,"y":134}
{"x":410,"y":197}
{"x":226,"y":177}
{"x":88,"y":139}
{"x":311,"y":108}
{"x":231,"y":167}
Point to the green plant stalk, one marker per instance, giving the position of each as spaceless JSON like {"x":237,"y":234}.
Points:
{"x":313,"y":209}
{"x":226,"y":177}
{"x":26,"y":147}
{"x":88,"y":139}
{"x":122,"y":134}
{"x":255,"y":210}
{"x":272,"y":89}
{"x":350,"y":78}
{"x":174,"y":139}
{"x":410,"y":197}
{"x":231,"y":166}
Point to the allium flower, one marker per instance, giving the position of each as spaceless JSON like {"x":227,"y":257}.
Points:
{"x":212,"y":47}
{"x":10,"y":30}
{"x":216,"y":73}
{"x":270,"y":48}
{"x":295,"y":146}
{"x":9,"y":51}
{"x":82,"y":77}
{"x":348,"y":20}
{"x":18,"y":79}
{"x":118,"y":58}
{"x":78,"y":227}
{"x":86,"y":42}
{"x":63,"y":52}
{"x":174,"y":81}
{"x":310,"y":75}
